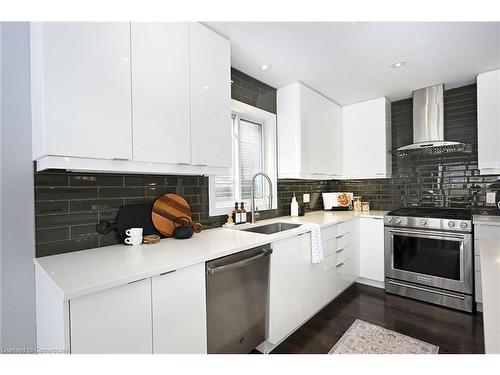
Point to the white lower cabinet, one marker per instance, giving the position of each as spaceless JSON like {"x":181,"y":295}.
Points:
{"x":314,"y":283}
{"x":342,"y":267}
{"x":371,"y":244}
{"x":116,"y":320}
{"x":298,"y":288}
{"x":286,"y":285}
{"x":162,"y":314}
{"x":481,"y":232}
{"x":179,"y":311}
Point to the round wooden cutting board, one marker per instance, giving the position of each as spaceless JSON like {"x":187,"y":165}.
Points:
{"x":166,"y":209}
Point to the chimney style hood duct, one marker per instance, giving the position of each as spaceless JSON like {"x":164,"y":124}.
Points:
{"x":428,"y":125}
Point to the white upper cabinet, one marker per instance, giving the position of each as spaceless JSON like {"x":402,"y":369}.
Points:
{"x":210,"y":82}
{"x":318,"y":139}
{"x":367,"y":139}
{"x":140,"y":97}
{"x":488,"y":122}
{"x":160,"y":92}
{"x":81,"y":90}
{"x":309,"y":134}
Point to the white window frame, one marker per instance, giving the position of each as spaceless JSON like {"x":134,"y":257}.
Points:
{"x":269,"y":158}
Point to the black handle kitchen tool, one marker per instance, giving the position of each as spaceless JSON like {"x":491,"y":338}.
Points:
{"x":130,"y":216}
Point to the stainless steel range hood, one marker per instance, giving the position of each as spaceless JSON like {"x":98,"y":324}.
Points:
{"x":428,"y":124}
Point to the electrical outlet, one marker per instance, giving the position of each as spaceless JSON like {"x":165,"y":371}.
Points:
{"x":491,"y":197}
{"x":306,"y":198}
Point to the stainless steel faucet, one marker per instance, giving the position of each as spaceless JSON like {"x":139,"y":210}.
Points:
{"x":253,"y":193}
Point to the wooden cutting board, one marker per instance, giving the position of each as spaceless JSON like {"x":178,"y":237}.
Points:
{"x":166,"y":209}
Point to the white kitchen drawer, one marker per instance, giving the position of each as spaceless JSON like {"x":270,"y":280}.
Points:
{"x":328,"y":233}
{"x":344,"y":254}
{"x":330,"y":262}
{"x":344,"y":240}
{"x":345,"y":227}
{"x":477,"y":263}
{"x":329,"y":247}
{"x":478,"y":287}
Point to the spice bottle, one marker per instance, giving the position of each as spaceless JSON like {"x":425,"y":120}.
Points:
{"x":357,"y":204}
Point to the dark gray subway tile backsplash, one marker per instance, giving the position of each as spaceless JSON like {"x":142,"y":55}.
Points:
{"x":69,"y":205}
{"x":248,"y":90}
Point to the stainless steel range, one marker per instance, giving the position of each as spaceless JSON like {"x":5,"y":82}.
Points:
{"x":429,"y":255}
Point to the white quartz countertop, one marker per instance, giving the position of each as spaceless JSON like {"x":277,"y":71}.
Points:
{"x":490,"y":280}
{"x":88,"y":271}
{"x":486,"y":219}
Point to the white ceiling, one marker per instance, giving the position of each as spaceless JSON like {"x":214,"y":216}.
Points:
{"x":349,"y":61}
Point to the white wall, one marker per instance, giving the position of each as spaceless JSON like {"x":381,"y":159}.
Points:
{"x":17,"y":242}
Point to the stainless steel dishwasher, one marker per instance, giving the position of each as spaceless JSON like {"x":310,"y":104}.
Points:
{"x":237,"y":301}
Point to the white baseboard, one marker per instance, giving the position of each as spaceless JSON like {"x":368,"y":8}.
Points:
{"x":370,"y":282}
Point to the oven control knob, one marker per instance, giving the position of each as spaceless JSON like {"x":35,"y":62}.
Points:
{"x":423,"y":222}
{"x":398,"y":221}
{"x":463,"y":225}
{"x":388,"y":219}
{"x":451,"y":224}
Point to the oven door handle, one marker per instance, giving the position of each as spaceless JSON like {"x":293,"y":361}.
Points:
{"x":429,"y":233}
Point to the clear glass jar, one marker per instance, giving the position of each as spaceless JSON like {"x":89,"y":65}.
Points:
{"x":357,"y":204}
{"x":365,"y":206}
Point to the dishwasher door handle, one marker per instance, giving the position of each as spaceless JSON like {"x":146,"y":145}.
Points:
{"x":241,"y":263}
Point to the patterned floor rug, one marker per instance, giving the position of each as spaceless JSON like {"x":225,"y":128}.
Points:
{"x":366,"y":338}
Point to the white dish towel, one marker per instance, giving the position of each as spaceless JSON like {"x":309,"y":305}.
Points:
{"x":316,"y":244}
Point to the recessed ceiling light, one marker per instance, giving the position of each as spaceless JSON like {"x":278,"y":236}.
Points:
{"x":266,"y":67}
{"x":398,"y":64}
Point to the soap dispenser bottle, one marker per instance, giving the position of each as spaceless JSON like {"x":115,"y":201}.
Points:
{"x":294,"y":207}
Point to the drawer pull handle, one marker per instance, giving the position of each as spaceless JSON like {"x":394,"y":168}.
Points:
{"x":340,"y":265}
{"x":340,"y":250}
{"x":136,"y":281}
{"x":166,"y":273}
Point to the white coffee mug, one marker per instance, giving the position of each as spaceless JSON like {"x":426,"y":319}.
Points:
{"x":133,"y":240}
{"x":134,"y":232}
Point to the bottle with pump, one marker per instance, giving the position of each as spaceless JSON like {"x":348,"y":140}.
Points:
{"x":243,"y":213}
{"x":236,"y":213}
{"x":294,"y":207}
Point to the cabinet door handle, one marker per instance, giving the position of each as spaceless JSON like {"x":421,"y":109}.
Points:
{"x":136,"y":281}
{"x":183,"y":164}
{"x":126,"y":159}
{"x":201,"y":165}
{"x":166,"y":273}
{"x":340,"y":265}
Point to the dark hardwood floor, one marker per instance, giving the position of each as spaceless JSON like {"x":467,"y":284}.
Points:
{"x":453,"y":331}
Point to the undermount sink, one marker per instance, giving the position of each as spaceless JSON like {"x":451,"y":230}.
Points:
{"x":272,"y":228}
